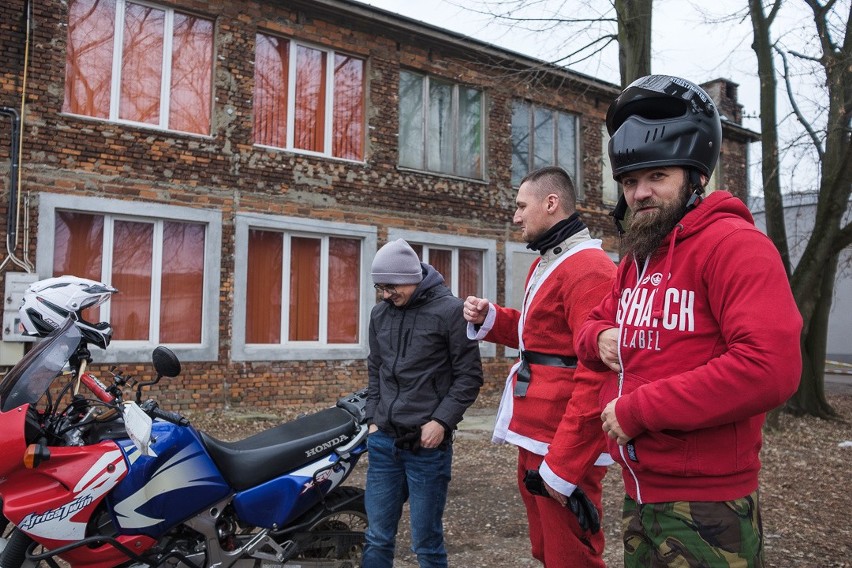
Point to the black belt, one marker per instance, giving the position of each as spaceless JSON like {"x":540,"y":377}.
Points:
{"x":524,"y":374}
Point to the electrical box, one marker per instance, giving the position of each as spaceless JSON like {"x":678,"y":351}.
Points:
{"x":16,"y":284}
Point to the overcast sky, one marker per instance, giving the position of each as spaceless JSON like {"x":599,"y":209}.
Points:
{"x":682,"y":44}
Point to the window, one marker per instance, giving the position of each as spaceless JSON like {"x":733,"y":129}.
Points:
{"x":610,"y":190}
{"x":519,"y":259}
{"x":137,"y":63}
{"x":308,"y":99}
{"x":440,"y":126}
{"x":543,"y":137}
{"x":460,"y":267}
{"x":715,"y":181}
{"x":303,"y":289}
{"x":165,"y":267}
{"x":468,"y":264}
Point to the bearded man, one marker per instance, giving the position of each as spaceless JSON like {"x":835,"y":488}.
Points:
{"x":703,"y":331}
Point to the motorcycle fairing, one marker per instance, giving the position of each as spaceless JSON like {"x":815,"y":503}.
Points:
{"x":276,"y":502}
{"x":180,"y":472}
{"x":54,"y":501}
{"x":12,"y":440}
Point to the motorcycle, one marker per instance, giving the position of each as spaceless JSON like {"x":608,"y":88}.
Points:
{"x":100,"y":481}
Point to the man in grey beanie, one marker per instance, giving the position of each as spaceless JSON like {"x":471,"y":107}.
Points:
{"x":423,"y":374}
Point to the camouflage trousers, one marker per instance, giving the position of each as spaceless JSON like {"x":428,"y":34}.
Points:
{"x":693,"y":534}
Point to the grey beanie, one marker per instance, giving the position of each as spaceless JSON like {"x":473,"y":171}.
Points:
{"x":396,"y":263}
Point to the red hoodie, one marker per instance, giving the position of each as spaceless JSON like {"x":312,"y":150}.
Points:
{"x":704,"y":353}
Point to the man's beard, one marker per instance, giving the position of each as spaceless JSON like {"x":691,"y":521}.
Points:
{"x":648,"y":231}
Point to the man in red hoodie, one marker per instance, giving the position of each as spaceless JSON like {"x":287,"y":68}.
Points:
{"x":550,"y":404}
{"x":703,"y":331}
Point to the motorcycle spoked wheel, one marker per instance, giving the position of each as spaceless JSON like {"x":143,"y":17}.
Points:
{"x":324,"y":547}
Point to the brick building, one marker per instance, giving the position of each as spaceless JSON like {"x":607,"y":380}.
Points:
{"x":232,"y":167}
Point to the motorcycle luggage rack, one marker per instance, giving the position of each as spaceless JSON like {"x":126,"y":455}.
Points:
{"x":48,"y":556}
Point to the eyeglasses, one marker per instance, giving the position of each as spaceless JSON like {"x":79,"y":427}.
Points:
{"x":389,"y":288}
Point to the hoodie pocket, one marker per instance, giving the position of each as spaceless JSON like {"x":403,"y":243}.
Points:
{"x":658,"y":452}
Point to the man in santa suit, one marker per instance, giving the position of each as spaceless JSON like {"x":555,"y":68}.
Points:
{"x":550,"y":408}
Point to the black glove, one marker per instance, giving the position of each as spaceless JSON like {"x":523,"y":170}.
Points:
{"x":587,"y":513}
{"x":578,"y":502}
{"x":408,"y":439}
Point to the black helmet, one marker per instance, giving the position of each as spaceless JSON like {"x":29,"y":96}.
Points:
{"x":659,"y":120}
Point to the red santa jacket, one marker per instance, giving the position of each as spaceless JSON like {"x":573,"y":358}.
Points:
{"x":560,"y":415}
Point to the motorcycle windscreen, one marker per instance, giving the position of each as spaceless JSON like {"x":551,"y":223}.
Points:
{"x":26,"y":382}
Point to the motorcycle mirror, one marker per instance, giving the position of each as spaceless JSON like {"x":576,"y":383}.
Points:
{"x":165,"y":362}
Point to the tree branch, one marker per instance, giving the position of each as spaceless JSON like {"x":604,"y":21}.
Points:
{"x":792,"y":98}
{"x":843,"y":240}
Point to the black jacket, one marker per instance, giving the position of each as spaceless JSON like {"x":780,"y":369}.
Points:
{"x":421,"y":364}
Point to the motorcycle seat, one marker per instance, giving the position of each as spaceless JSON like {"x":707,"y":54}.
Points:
{"x":280,"y":450}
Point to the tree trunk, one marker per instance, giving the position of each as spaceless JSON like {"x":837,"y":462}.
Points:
{"x":810,"y":397}
{"x":634,"y":39}
{"x":773,"y":202}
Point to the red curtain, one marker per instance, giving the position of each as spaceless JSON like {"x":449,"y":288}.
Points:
{"x":309,"y":123}
{"x":192,"y":69}
{"x":133,"y":245}
{"x":182,"y":289}
{"x":88,"y":65}
{"x":442,"y":261}
{"x":470,"y":273}
{"x":78,"y":249}
{"x":348,"y":117}
{"x":263,"y":294}
{"x":344,"y":290}
{"x":304,"y":289}
{"x":142,"y":64}
{"x":270,"y":90}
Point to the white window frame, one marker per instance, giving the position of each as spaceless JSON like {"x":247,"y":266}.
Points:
{"x":488,"y":247}
{"x":515,"y":296}
{"x":166,"y":77}
{"x":299,"y":350}
{"x":610,"y":191}
{"x":328,"y":133}
{"x":576,"y":176}
{"x":140,"y":351}
{"x":424,"y":165}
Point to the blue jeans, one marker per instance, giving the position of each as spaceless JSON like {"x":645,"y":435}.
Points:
{"x":394,"y":475}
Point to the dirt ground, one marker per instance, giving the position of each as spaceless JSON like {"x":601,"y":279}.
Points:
{"x":806,"y":493}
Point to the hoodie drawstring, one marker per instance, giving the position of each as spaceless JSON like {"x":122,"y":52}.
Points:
{"x":657,"y":309}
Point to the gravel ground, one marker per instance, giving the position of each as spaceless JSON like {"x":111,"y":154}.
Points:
{"x":805,"y":492}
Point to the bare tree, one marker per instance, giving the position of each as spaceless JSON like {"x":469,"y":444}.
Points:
{"x":812,"y":281}
{"x":634,"y":39}
{"x":587,"y":27}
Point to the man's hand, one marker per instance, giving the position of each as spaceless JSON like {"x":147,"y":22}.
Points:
{"x":475,"y":309}
{"x":432,"y":434}
{"x":608,"y":348}
{"x":559,"y":497}
{"x":611,"y":426}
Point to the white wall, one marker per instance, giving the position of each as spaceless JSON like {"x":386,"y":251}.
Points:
{"x":799,"y":212}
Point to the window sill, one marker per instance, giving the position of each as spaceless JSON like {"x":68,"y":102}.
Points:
{"x":441,"y":175}
{"x":297,"y":152}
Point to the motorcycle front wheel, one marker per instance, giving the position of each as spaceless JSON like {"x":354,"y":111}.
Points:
{"x":14,"y":554}
{"x":335,"y":539}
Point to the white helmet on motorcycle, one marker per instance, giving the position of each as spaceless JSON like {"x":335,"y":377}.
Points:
{"x":48,"y":303}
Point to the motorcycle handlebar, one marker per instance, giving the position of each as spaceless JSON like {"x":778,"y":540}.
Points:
{"x":97,"y":388}
{"x":172,"y":417}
